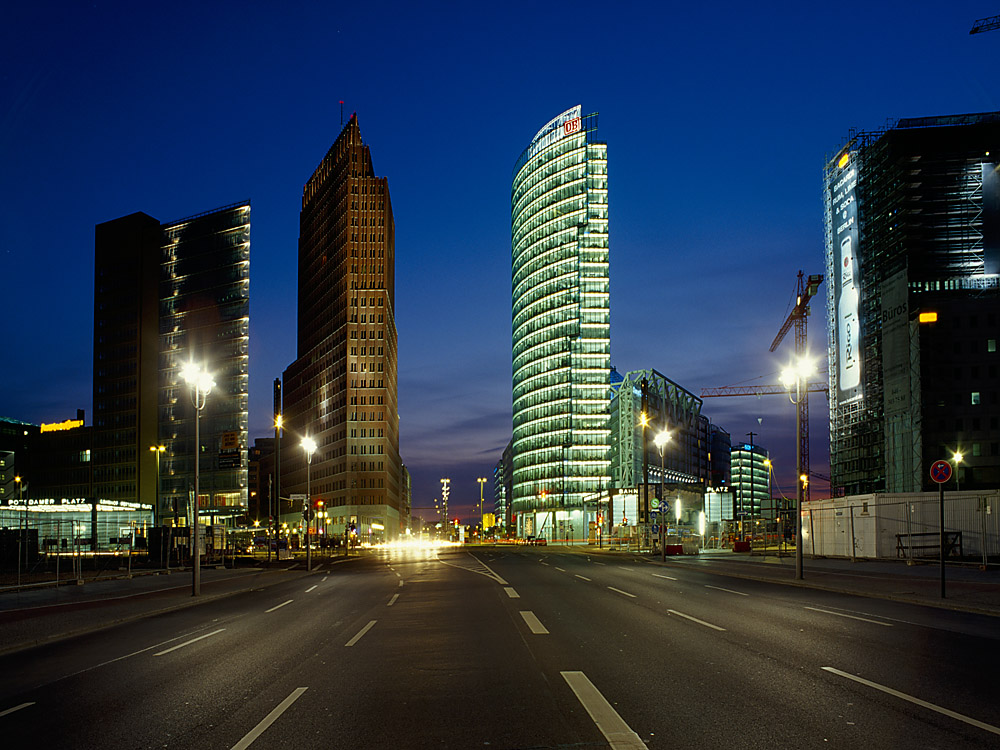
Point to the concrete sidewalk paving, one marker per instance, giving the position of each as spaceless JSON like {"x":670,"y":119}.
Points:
{"x":967,"y":588}
{"x":37,"y":616}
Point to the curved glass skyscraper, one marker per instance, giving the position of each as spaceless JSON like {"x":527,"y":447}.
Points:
{"x":561,"y":327}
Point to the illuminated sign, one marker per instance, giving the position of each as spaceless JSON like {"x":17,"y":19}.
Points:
{"x":928,"y":317}
{"x":69,"y":424}
{"x":846,"y":286}
{"x":572,"y":126}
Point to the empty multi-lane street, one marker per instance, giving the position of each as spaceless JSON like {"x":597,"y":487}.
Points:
{"x":514,"y":647}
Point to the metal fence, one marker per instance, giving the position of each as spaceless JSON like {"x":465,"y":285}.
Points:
{"x":905,"y":526}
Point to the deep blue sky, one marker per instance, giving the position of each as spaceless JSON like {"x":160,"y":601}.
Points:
{"x":718,"y":120}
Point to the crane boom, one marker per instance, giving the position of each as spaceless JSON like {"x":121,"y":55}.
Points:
{"x":985,"y":24}
{"x":806,"y":292}
{"x":758,"y":390}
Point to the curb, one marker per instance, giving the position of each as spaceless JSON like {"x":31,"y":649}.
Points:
{"x":25,"y":645}
{"x":807,"y":584}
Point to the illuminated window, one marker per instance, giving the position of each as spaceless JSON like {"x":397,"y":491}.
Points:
{"x":975,"y":398}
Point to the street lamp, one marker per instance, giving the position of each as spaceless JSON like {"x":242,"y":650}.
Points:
{"x":156,"y":450}
{"x":644,"y":423}
{"x":309,"y":446}
{"x":957,"y":458}
{"x":794,"y":379}
{"x":482,"y":481}
{"x":201,"y":383}
{"x":24,"y":534}
{"x":660,"y":441}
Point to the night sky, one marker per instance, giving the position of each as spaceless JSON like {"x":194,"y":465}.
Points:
{"x":718,"y":119}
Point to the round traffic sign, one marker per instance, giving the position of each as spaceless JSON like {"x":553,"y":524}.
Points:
{"x":940,"y":471}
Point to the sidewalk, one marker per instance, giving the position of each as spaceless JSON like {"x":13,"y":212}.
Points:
{"x":967,"y":588}
{"x":37,"y":616}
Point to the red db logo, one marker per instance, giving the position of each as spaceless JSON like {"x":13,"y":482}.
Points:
{"x":571,"y":126}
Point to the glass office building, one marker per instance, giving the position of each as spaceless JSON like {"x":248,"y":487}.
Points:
{"x":560,"y":326}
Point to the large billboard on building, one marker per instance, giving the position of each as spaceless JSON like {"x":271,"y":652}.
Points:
{"x":991,"y":217}
{"x":846,"y":281}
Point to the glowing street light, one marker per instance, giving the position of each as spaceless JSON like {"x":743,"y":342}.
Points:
{"x":309,"y":446}
{"x":957,"y":457}
{"x":794,"y":379}
{"x":482,"y":481}
{"x":201,"y":383}
{"x":660,"y":441}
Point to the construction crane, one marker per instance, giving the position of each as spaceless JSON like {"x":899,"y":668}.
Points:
{"x":805,"y":290}
{"x":985,"y":24}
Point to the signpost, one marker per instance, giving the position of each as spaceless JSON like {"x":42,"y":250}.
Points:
{"x":941,"y":473}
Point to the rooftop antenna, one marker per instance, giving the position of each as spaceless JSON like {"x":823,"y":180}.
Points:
{"x":341,"y":113}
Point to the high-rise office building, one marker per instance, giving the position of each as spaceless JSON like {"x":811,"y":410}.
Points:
{"x":913,"y":260}
{"x":751,"y":481}
{"x":561,"y":345}
{"x":341,"y":389}
{"x":166,"y":295}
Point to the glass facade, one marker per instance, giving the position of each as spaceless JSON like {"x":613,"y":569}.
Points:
{"x":205,"y":318}
{"x":560,"y":322}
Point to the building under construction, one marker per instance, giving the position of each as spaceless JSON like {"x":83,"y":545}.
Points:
{"x":913,"y":257}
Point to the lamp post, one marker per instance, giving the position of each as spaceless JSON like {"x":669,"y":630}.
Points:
{"x":482,"y":530}
{"x":644,"y":514}
{"x":957,"y":459}
{"x":309,"y":446}
{"x":661,"y":440}
{"x":201,"y":383}
{"x":24,"y":534}
{"x":794,"y":378}
{"x":156,"y":450}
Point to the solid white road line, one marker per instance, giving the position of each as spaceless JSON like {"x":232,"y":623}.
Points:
{"x":853,"y":617}
{"x":292,"y":568}
{"x":728,"y":591}
{"x":917,"y":701}
{"x":16,"y":708}
{"x":311,"y":588}
{"x":188,"y":643}
{"x":598,"y":563}
{"x":393,"y":600}
{"x":511,"y":593}
{"x":658,"y":575}
{"x":582,"y":578}
{"x":361,"y":633}
{"x":495,"y":575}
{"x":533,"y":623}
{"x":694,"y":619}
{"x":279,"y":606}
{"x":268,"y":720}
{"x":622,"y":592}
{"x":618,"y":734}
{"x":316,"y":569}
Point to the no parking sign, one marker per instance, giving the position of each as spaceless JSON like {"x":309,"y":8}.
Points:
{"x":941,"y":471}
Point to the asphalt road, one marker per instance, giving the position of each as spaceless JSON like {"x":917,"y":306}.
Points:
{"x":515,"y":647}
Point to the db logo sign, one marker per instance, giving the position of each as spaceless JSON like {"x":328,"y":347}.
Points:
{"x":571,"y":126}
